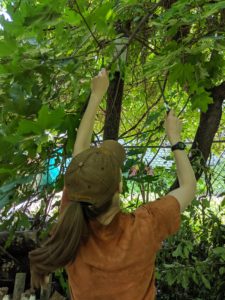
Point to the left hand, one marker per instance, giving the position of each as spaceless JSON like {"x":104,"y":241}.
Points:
{"x":100,"y":83}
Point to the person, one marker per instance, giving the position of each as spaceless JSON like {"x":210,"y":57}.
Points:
{"x":109,"y":254}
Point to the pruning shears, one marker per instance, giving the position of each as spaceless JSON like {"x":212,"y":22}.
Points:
{"x":166,"y":105}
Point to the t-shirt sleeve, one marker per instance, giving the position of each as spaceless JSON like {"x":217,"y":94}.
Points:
{"x":165,"y":215}
{"x":64,"y":201}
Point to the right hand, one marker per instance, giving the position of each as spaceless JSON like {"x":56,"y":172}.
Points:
{"x":100,"y":83}
{"x":173,"y":127}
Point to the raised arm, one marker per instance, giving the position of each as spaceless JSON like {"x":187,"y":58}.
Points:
{"x":187,"y":181}
{"x":99,"y":86}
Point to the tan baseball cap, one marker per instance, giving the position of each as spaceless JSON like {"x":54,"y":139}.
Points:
{"x":93,"y":175}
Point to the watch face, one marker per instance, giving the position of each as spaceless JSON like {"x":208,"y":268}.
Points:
{"x":181,"y":145}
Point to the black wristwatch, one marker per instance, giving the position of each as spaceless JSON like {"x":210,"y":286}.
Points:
{"x":179,"y":145}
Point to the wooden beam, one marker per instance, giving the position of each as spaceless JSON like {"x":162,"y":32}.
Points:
{"x":19,"y":285}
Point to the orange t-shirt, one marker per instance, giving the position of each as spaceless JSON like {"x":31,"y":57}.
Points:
{"x":118,"y":260}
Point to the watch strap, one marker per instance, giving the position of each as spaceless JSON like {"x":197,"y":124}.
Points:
{"x":179,"y":145}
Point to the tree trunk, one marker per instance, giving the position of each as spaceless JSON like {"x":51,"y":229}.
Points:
{"x":113,"y":109}
{"x":115,"y":91}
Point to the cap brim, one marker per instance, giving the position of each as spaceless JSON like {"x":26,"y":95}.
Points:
{"x":116,"y":149}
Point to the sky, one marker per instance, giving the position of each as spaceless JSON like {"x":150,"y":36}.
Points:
{"x":5,"y":14}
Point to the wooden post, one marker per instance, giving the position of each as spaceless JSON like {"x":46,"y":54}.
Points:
{"x":46,"y":292}
{"x":19,"y":285}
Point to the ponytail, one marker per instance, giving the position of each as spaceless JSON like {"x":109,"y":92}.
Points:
{"x":61,"y":248}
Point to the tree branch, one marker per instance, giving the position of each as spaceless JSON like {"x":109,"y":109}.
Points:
{"x":149,"y":15}
{"x":146,"y":112}
{"x":86,"y":23}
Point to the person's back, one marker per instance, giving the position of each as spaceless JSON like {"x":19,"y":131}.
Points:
{"x":109,"y":254}
{"x":118,"y":260}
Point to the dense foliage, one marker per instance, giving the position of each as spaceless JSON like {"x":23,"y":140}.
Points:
{"x":49,"y":51}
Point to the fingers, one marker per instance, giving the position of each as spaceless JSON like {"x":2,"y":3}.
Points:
{"x":170,"y":113}
{"x":171,"y":118}
{"x":103,"y":72}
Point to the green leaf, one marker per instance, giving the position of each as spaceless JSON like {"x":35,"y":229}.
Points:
{"x":222,"y":204}
{"x":160,"y":63}
{"x":178,"y":251}
{"x":170,"y":278}
{"x":103,"y":11}
{"x":152,"y":117}
{"x":222,"y":270}
{"x":100,"y":17}
{"x":28,"y":126}
{"x":7,"y":190}
{"x":210,"y":9}
{"x":150,"y":178}
{"x":186,"y":251}
{"x":41,"y":142}
{"x":181,"y":73}
{"x":41,"y":15}
{"x":7,"y":47}
{"x":205,"y":282}
{"x":24,"y":220}
{"x":6,"y":171}
{"x":71,"y":17}
{"x":189,"y":245}
{"x":30,"y":64}
{"x":168,"y":266}
{"x":129,"y":163}
{"x":50,"y":118}
{"x":194,"y":277}
{"x":201,"y":100}
{"x":5,"y":198}
{"x":184,"y":279}
{"x":220,"y":251}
